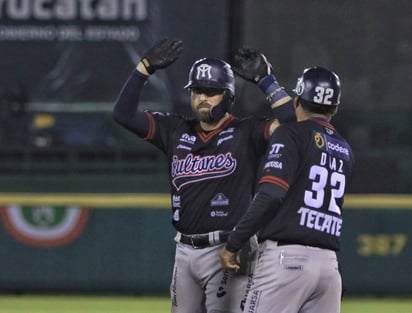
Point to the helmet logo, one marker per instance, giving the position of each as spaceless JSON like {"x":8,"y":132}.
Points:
{"x":204,"y":71}
{"x":300,"y":86}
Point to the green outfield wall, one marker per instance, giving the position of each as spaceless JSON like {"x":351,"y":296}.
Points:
{"x":123,"y":243}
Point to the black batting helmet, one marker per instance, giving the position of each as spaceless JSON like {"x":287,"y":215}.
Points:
{"x":319,"y":85}
{"x":212,"y":73}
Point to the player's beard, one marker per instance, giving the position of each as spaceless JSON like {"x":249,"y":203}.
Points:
{"x":203,"y":115}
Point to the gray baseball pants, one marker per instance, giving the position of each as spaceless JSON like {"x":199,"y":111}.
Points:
{"x":200,"y":285}
{"x":294,"y":279}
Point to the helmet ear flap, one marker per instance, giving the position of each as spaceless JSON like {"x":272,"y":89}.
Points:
{"x":230,"y":98}
{"x":231,"y":101}
{"x":218,"y":111}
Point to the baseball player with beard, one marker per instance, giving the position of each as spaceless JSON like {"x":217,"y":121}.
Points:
{"x":297,"y":210}
{"x":213,"y":160}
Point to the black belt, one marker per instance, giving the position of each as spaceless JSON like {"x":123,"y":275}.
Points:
{"x":204,"y":240}
{"x":286,"y":243}
{"x":281,"y":242}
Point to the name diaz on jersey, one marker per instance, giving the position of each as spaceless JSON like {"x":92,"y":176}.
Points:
{"x":326,"y":177}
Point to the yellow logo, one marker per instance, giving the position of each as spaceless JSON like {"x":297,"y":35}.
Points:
{"x":319,"y":140}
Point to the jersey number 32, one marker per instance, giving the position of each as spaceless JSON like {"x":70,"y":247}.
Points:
{"x":322,"y":184}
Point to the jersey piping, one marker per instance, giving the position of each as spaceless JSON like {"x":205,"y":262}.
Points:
{"x":207,"y":136}
{"x":276,"y":181}
{"x":152,"y":126}
{"x":323,"y":123}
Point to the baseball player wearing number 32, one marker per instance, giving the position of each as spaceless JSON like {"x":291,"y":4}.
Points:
{"x":213,"y":159}
{"x":297,"y":211}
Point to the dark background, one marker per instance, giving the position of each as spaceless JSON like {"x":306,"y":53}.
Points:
{"x":56,"y":96}
{"x":57,"y":136}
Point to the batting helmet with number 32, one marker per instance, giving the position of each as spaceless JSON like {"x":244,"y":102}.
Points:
{"x":319,"y":85}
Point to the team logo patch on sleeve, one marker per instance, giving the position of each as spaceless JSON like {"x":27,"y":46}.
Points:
{"x":332,"y":146}
{"x":319,"y":141}
{"x":275,"y":151}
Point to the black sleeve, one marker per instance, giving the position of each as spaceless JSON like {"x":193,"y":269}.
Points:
{"x":126,"y":111}
{"x":262,"y":209}
{"x":285,"y":113}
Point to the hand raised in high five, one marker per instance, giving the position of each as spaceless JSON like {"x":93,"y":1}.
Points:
{"x":251,"y":64}
{"x":162,"y":54}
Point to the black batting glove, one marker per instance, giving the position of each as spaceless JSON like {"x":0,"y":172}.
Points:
{"x":251,"y":64}
{"x":162,"y":54}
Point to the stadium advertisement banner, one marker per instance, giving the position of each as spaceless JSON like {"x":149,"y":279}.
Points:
{"x":65,"y":54}
{"x":44,"y":226}
{"x":68,"y":20}
{"x":73,"y":48}
{"x":114,"y":244}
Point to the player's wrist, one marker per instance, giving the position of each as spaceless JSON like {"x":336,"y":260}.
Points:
{"x":231,"y":248}
{"x":274,"y":93}
{"x":142,"y":69}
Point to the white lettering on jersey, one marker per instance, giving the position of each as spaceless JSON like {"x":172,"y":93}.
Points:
{"x":320,"y":221}
{"x":229,"y":130}
{"x":224,"y":139}
{"x":184,"y":147}
{"x":273,"y":164}
{"x":176,"y":201}
{"x":188,"y":139}
{"x":219,"y":213}
{"x":194,"y":168}
{"x":219,"y":200}
{"x":338,"y":148}
{"x":276,"y":148}
{"x":176,"y":215}
{"x":275,"y":151}
{"x":333,"y":163}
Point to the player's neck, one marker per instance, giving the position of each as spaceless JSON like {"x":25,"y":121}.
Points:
{"x":208,"y":126}
{"x":302,"y":115}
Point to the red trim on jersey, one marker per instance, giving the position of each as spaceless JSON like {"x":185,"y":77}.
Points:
{"x":276,"y":181}
{"x":267,"y":130}
{"x":152,"y":126}
{"x":323,"y":123}
{"x":205,"y":136}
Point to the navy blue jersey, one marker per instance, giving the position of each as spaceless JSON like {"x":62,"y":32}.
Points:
{"x":212,"y":174}
{"x":313,"y":163}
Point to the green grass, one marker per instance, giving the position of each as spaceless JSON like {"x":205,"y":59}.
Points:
{"x":129,"y":304}
{"x":82,"y":304}
{"x":377,"y":305}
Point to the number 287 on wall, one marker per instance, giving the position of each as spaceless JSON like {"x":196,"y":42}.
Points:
{"x":381,"y":244}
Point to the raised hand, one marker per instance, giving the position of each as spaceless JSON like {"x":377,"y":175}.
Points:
{"x":162,"y":54}
{"x":251,"y":64}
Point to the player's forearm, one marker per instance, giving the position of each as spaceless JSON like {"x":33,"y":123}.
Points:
{"x":285,"y":112}
{"x":126,"y":111}
{"x":261,"y":210}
